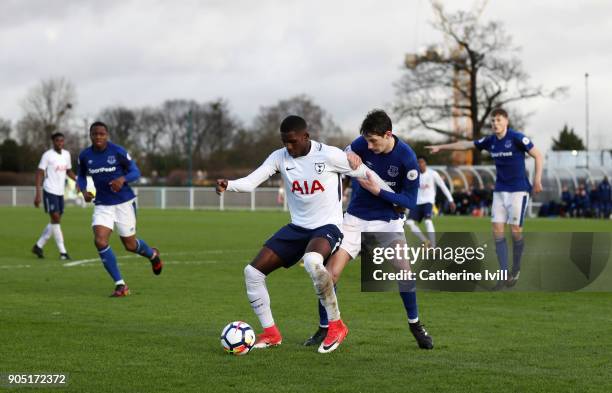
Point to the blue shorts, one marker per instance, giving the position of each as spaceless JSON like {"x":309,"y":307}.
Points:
{"x":53,"y":203}
{"x":421,"y":212}
{"x":290,"y":242}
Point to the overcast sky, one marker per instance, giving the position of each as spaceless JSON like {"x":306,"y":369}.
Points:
{"x":346,"y":55}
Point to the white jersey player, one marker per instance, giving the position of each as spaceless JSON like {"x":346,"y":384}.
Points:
{"x":54,"y":165}
{"x":311,"y":174}
{"x":426,"y":198}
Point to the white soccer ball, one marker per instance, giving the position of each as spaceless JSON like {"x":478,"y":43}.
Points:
{"x":237,"y":338}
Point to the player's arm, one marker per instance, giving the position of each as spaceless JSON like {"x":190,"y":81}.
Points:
{"x":460,"y":145}
{"x":440,"y":183}
{"x":539,"y":163}
{"x":254,"y":179}
{"x":40,"y":174}
{"x":350,"y":164}
{"x":132,"y":173}
{"x":69,"y":171}
{"x":407,"y":198}
{"x":81,"y":179}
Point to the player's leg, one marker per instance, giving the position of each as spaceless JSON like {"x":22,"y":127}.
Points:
{"x":429,"y":226}
{"x":102,"y":225}
{"x":321,"y":245}
{"x":47,"y":232}
{"x":335,"y":265}
{"x":415,"y":216}
{"x":499,"y":217}
{"x":56,"y":229}
{"x":126,"y":228}
{"x":519,"y":208}
{"x":255,"y":275}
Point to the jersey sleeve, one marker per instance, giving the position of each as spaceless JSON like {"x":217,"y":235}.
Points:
{"x":522,"y":142}
{"x":68,"y":160}
{"x":132,"y":173}
{"x":440,"y":183}
{"x":44,"y":162}
{"x":338,"y":162}
{"x":407,"y":197}
{"x":269,"y":167}
{"x":359,"y":146}
{"x":82,"y":172}
{"x":483,"y":143}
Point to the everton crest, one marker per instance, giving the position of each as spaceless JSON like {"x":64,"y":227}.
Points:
{"x":111,"y":160}
{"x":393,"y":171}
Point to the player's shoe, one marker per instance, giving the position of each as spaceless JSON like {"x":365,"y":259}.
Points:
{"x":156,"y":262}
{"x":121,"y":290}
{"x":336,"y":333}
{"x":317,"y":338}
{"x":513,"y":279}
{"x":38,"y":251}
{"x":65,"y":257}
{"x":420,"y":334}
{"x":500,"y":285}
{"x":270,"y":337}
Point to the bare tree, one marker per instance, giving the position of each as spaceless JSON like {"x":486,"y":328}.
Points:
{"x":320,"y":125}
{"x":5,"y":129}
{"x":47,"y":109}
{"x":453,"y":91}
{"x":121,"y":122}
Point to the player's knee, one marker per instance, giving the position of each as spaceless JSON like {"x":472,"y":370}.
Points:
{"x":517,"y":232}
{"x":252,"y":275}
{"x":100,"y":243}
{"x":130,"y":246}
{"x":313,"y":261}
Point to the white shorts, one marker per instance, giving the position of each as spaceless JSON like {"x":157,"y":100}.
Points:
{"x":123,"y":215}
{"x":509,"y":207}
{"x":353,"y":226}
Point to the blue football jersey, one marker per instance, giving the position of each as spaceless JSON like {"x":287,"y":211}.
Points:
{"x":508,"y":153}
{"x":399,"y":169}
{"x":104,"y":166}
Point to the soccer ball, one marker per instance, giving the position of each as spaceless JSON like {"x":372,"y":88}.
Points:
{"x":237,"y":338}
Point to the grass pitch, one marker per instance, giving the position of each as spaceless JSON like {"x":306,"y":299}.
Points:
{"x":165,"y":336}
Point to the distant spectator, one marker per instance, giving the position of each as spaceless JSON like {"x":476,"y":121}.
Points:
{"x":567,"y":203}
{"x":605,"y":202}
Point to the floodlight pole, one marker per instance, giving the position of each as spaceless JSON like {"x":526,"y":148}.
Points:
{"x":586,"y":110}
{"x":189,"y":155}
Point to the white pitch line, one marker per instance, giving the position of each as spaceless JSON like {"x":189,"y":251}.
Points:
{"x":84,"y":261}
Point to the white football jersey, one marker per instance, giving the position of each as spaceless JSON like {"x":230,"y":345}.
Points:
{"x":55,"y":166}
{"x":427,"y":187}
{"x":312,"y":183}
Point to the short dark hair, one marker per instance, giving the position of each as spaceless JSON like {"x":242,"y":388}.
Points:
{"x":293,"y":123}
{"x":500,"y":112}
{"x":56,"y":135}
{"x":98,"y":124}
{"x":422,"y":158}
{"x":376,"y":122}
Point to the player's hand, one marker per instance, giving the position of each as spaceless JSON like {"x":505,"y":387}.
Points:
{"x":117,"y":183}
{"x":354,"y":160}
{"x":37,"y":200}
{"x":537,"y":186}
{"x":453,"y":207}
{"x":221,"y":186}
{"x":370,"y":184}
{"x":88,"y":196}
{"x":433,"y":149}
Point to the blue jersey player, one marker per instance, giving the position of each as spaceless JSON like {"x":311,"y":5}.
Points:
{"x":512,"y":188}
{"x":111,"y":169}
{"x":373,"y":209}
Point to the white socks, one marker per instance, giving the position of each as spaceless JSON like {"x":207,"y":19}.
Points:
{"x":324,"y":284}
{"x":59,"y":237}
{"x":431,"y":232}
{"x":46,"y":234}
{"x":56,"y":231}
{"x":258,"y":295}
{"x":416,"y":230}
